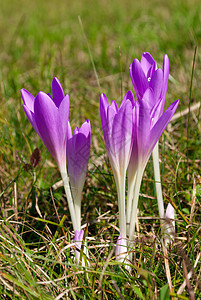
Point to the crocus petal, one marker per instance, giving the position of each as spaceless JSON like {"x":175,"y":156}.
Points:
{"x":50,"y":124}
{"x":103,"y":112}
{"x":122,"y":135}
{"x":50,"y":96}
{"x":143,"y":124}
{"x":156,"y":83}
{"x":165,"y":75}
{"x":28,"y":99}
{"x":111,"y":113}
{"x":161,"y":124}
{"x":85,"y":128}
{"x":31,"y":118}
{"x":78,"y":150}
{"x":76,"y":130}
{"x":148,"y":64}
{"x":69,"y":131}
{"x":169,"y":212}
{"x":57,"y":92}
{"x":129,"y":96}
{"x":106,"y":122}
{"x":63,"y":111}
{"x":114,"y":106}
{"x":148,"y":97}
{"x":79,"y":155}
{"x":133,"y":163}
{"x":156,"y":111}
{"x":138,"y":78}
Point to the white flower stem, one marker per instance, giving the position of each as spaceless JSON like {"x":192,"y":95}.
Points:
{"x":77,"y":201}
{"x":131,"y":185}
{"x":135,"y":204}
{"x":157,"y":176}
{"x":120,"y":183}
{"x":70,"y":200}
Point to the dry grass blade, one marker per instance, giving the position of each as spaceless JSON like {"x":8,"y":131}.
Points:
{"x":192,"y":208}
{"x":113,"y":282}
{"x":185,"y":112}
{"x":104,"y":268}
{"x":189,"y":275}
{"x":15,"y":203}
{"x":70,"y":290}
{"x":188,"y":284}
{"x":8,"y":286}
{"x":167,"y":268}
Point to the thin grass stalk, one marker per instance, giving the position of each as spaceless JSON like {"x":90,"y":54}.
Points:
{"x":190,"y":97}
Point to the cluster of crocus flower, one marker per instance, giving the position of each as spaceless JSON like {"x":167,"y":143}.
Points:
{"x":49,"y":116}
{"x":131,"y":133}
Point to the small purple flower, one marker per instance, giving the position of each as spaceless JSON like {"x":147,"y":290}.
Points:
{"x":78,"y":150}
{"x":49,"y":117}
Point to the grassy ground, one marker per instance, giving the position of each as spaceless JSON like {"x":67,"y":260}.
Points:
{"x":43,"y":39}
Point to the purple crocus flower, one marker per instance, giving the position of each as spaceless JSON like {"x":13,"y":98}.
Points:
{"x":49,"y":117}
{"x":145,"y":74}
{"x":78,"y":150}
{"x":117,"y":125}
{"x":150,"y":85}
{"x":148,"y":129}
